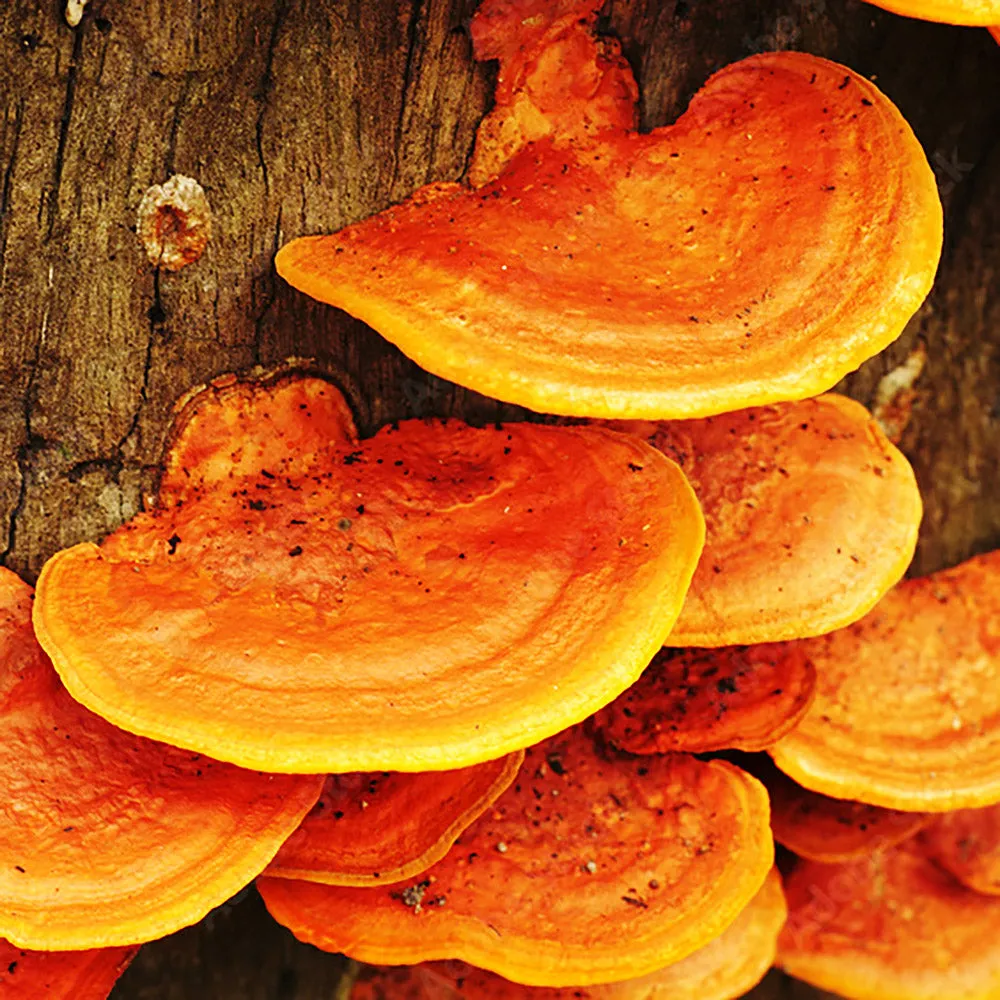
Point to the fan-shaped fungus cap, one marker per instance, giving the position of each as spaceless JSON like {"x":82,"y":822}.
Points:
{"x":891,"y":926}
{"x":811,"y":516}
{"x":972,"y":12}
{"x":967,"y":844}
{"x":725,"y":968}
{"x":907,"y":708}
{"x":110,"y":839}
{"x":820,"y":828}
{"x":378,"y":828}
{"x":617,"y":274}
{"x":297,"y":596}
{"x":61,"y":975}
{"x":587,"y":870}
{"x":738,"y":697}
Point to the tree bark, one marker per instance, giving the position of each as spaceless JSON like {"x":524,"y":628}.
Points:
{"x":299,"y":116}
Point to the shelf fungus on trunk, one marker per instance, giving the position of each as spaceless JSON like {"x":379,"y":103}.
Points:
{"x":110,"y":839}
{"x":811,"y":515}
{"x":892,"y":926}
{"x":725,"y":968}
{"x":967,"y":843}
{"x":820,"y":828}
{"x":907,"y":705}
{"x":427,"y":599}
{"x":383,"y":827}
{"x":982,"y":13}
{"x":589,"y":869}
{"x":605,"y":272}
{"x":61,"y":975}
{"x":703,"y":700}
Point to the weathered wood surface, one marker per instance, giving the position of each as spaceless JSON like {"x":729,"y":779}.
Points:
{"x":299,"y":116}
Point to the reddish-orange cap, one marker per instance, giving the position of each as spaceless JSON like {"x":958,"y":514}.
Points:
{"x":619,"y":274}
{"x":698,"y":700}
{"x":60,"y":975}
{"x":967,"y":844}
{"x":111,"y":839}
{"x":723,"y":969}
{"x":557,"y":79}
{"x":383,"y":827}
{"x":907,"y":708}
{"x":892,"y":926}
{"x":973,"y":12}
{"x":588,"y":869}
{"x":811,"y":515}
{"x":819,"y":828}
{"x":427,"y":599}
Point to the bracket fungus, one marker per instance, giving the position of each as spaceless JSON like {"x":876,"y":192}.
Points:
{"x":907,"y":708}
{"x":373,"y":829}
{"x":829,"y":830}
{"x":891,"y":926}
{"x":699,"y":701}
{"x":723,"y":969}
{"x":967,"y":844}
{"x":109,"y":839}
{"x":982,"y":13}
{"x":557,"y":79}
{"x":61,"y":975}
{"x":609,"y":273}
{"x":589,"y":869}
{"x":811,"y":515}
{"x":427,"y":599}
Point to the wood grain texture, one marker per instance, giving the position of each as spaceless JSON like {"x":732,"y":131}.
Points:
{"x":298,"y":116}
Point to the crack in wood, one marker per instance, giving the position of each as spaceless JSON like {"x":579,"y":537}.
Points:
{"x":267,"y":86}
{"x":8,"y":179}
{"x":52,"y":208}
{"x":409,"y":84}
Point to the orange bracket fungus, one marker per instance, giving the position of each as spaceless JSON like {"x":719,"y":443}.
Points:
{"x":109,"y":839}
{"x":61,"y":975}
{"x":427,"y":599}
{"x":725,"y":968}
{"x":739,"y":697}
{"x":819,"y":828}
{"x":891,"y":926}
{"x":371,"y":829}
{"x":983,"y":13}
{"x":607,"y":273}
{"x":587,"y":870}
{"x":557,"y":79}
{"x":811,"y":516}
{"x":907,"y":707}
{"x":967,"y":844}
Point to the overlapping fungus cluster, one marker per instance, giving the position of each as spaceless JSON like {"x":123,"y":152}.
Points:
{"x":443,"y":689}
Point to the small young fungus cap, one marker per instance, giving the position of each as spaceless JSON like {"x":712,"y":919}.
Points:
{"x":967,"y":844}
{"x":703,"y":700}
{"x":383,"y":827}
{"x":430,"y":598}
{"x":588,"y":869}
{"x":110,"y":839}
{"x":907,"y":707}
{"x":820,"y":828}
